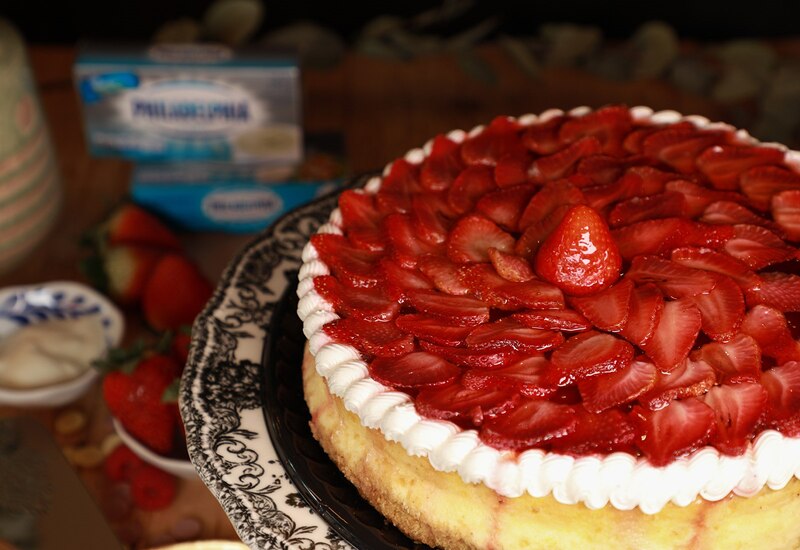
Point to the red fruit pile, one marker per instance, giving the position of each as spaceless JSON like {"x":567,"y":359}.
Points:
{"x":582,"y":284}
{"x":139,"y":260}
{"x":151,"y":488}
{"x":140,"y":390}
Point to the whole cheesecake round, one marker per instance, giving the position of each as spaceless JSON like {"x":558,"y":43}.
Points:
{"x":570,"y":330}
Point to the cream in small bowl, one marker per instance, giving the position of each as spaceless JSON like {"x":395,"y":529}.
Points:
{"x":49,"y":335}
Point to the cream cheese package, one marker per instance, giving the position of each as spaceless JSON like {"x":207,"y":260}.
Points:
{"x":222,"y":197}
{"x":193,"y":102}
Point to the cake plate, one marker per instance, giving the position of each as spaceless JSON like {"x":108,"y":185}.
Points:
{"x":246,"y":420}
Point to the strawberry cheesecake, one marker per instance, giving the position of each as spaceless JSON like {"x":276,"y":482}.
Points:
{"x":570,"y":330}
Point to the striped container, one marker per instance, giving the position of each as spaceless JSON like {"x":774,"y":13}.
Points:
{"x":30,"y":189}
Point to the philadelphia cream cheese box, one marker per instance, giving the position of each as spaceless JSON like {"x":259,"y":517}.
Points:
{"x":221,"y":197}
{"x":197,"y":102}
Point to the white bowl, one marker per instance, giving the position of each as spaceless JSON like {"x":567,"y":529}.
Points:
{"x":174,"y":466}
{"x":24,"y":305}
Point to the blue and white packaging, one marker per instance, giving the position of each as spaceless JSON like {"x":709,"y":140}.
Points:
{"x":221,"y":197}
{"x":190,"y":102}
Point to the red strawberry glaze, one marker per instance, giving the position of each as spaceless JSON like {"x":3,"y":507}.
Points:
{"x":641,"y":269}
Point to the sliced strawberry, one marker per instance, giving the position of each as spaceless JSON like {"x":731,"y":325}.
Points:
{"x":661,"y":236}
{"x":566,"y":320}
{"x":649,"y":180}
{"x":721,"y":309}
{"x":483,"y":281}
{"x":674,"y":280}
{"x":670,"y":204}
{"x":362,"y":219}
{"x":761,"y":183}
{"x":769,"y":328}
{"x":351,"y":265}
{"x":674,"y":335}
{"x":589,"y":354}
{"x":368,"y":304}
{"x":689,"y":379}
{"x":730,"y":213}
{"x":553,"y":195}
{"x":646,"y":304}
{"x":604,"y":391}
{"x":433,"y":329}
{"x":698,"y":197}
{"x":536,"y":233}
{"x":527,"y":376}
{"x":607,"y":432}
{"x":479,"y":359}
{"x":602,"y":196}
{"x":786,"y":213}
{"x":460,"y":310}
{"x":497,"y":140}
{"x":533,"y":294}
{"x":399,"y":279}
{"x":510,"y":266}
{"x":723,"y":164}
{"x":605,"y":169}
{"x":737,"y":408}
{"x":735,"y":361}
{"x":757,"y":247}
{"x":716,"y":262}
{"x":471,"y":238}
{"x":442,"y":166}
{"x":651,"y":236}
{"x":464,"y":406}
{"x":468,"y":187}
{"x":674,"y":431}
{"x":406,"y":246}
{"x":443,"y":273}
{"x":579,"y":256}
{"x":542,"y":137}
{"x":609,"y":125}
{"x":778,"y":290}
{"x":678,"y":147}
{"x":383,"y":339}
{"x":562,"y":163}
{"x":510,"y":333}
{"x":428,"y":213}
{"x":504,"y":206}
{"x":512,"y":169}
{"x":402,"y":178}
{"x":607,"y":309}
{"x":783,"y":398}
{"x":419,"y":369}
{"x":633,"y":142}
{"x":531,"y":423}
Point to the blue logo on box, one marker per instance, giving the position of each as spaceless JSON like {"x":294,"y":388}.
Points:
{"x":94,"y":88}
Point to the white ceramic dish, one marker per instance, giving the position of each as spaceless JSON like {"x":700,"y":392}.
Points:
{"x":24,"y":305}
{"x":174,"y":466}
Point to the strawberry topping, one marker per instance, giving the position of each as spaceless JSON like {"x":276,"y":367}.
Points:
{"x":584,"y":284}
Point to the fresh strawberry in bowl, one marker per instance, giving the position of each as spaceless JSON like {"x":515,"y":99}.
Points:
{"x":140,"y":391}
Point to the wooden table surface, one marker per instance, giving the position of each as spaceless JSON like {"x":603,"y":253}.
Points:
{"x":381,"y":107}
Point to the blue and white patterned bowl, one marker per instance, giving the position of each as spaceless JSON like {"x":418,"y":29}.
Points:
{"x":25,"y":305}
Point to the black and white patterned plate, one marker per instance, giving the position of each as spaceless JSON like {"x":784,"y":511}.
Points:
{"x":246,"y":421}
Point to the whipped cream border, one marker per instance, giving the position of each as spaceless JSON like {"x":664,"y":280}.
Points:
{"x":620,"y":479}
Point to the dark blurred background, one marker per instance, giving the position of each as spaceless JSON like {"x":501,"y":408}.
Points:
{"x":43,"y":21}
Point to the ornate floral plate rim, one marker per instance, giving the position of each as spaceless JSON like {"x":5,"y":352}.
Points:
{"x":221,"y":398}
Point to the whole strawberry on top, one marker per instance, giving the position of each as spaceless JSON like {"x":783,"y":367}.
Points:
{"x":580,"y":255}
